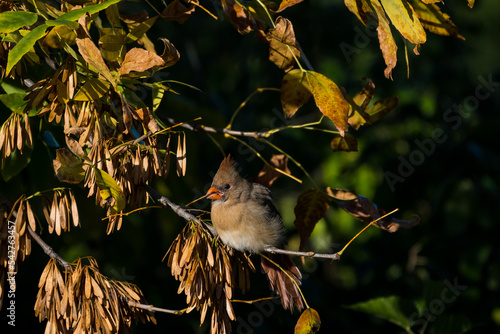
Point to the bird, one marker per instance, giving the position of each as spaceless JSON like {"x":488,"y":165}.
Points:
{"x":245,"y":218}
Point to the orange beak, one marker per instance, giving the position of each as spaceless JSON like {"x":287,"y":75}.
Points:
{"x":214,"y":193}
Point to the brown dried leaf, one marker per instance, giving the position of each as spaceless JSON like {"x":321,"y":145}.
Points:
{"x":268,"y":175}
{"x":310,"y":208}
{"x":140,"y":60}
{"x":366,"y":211}
{"x":170,"y":54}
{"x":93,"y":57}
{"x":282,"y":47}
{"x":176,"y":11}
{"x":30,"y":216}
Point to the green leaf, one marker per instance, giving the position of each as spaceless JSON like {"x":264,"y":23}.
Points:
{"x":14,"y":101}
{"x":12,"y":21}
{"x":308,"y":323}
{"x":74,"y":15}
{"x":157,"y":95}
{"x":93,"y":89}
{"x":16,"y":162}
{"x":109,"y":190}
{"x":141,"y":29}
{"x":24,"y":46}
{"x":392,"y":308}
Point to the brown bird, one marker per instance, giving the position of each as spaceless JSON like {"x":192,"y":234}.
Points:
{"x":246,"y":219}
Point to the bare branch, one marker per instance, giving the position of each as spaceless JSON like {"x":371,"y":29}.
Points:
{"x":177,"y":209}
{"x":48,"y":250}
{"x":334,"y":256}
{"x":151,"y":308}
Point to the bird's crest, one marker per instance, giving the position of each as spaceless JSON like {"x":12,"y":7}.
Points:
{"x":227,"y":171}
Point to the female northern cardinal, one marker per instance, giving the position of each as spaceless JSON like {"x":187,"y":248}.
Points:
{"x":246,"y":219}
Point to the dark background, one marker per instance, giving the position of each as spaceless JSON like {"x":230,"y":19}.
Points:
{"x":454,"y":188}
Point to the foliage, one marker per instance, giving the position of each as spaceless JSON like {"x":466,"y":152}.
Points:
{"x":88,"y":74}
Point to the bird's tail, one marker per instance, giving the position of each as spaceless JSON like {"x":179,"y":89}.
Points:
{"x":281,"y":282}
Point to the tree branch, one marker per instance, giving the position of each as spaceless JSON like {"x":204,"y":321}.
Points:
{"x":151,"y":308}
{"x":177,"y":209}
{"x":48,"y":250}
{"x":334,"y":256}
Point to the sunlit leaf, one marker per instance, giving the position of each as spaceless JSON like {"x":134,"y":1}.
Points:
{"x":74,"y":15}
{"x":14,"y":101}
{"x":140,"y":60}
{"x":294,"y":92}
{"x":404,"y":18}
{"x":310,"y":208}
{"x":329,"y":99}
{"x":140,"y":30}
{"x":434,"y":20}
{"x":382,"y":107}
{"x":109,"y":190}
{"x":12,"y":21}
{"x":308,"y":323}
{"x":347,"y":143}
{"x":393,"y":308}
{"x":113,"y":45}
{"x":92,"y":89}
{"x":53,"y":38}
{"x":93,"y":57}
{"x":68,"y":167}
{"x":471,"y":3}
{"x":386,"y":40}
{"x":24,"y":46}
{"x":287,"y":3}
{"x":282,"y":48}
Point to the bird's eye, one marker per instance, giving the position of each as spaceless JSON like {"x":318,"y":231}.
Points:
{"x":227,"y":186}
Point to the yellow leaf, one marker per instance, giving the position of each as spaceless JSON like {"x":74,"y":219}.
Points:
{"x":308,"y":323}
{"x":348,"y":143}
{"x":434,"y":20}
{"x":109,"y":190}
{"x":294,"y":92}
{"x":91,"y":90}
{"x":329,"y":99}
{"x":287,"y":3}
{"x":113,"y":45}
{"x":310,"y":208}
{"x":386,"y":40}
{"x":56,"y":34}
{"x":68,"y":167}
{"x":404,"y":18}
{"x":382,"y":107}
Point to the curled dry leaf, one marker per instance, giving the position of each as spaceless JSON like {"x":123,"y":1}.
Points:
{"x":170,"y":55}
{"x":282,"y":47}
{"x":365,"y":210}
{"x":310,"y":208}
{"x":268,"y":175}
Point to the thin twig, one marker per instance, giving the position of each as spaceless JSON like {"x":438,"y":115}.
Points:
{"x":152,"y":308}
{"x":271,"y":249}
{"x":48,"y":250}
{"x":177,"y":209}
